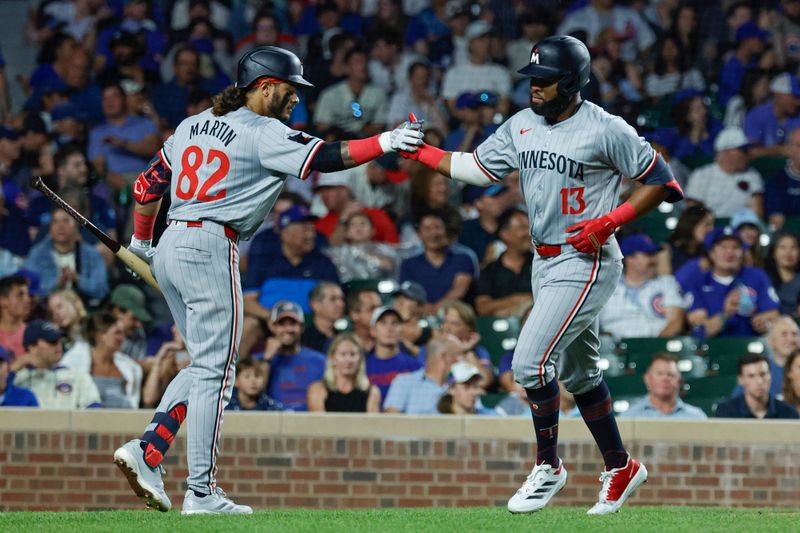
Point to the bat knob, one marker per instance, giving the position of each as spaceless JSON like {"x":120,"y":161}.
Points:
{"x":37,"y":182}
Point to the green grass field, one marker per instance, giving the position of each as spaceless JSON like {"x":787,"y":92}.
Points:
{"x":552,"y":520}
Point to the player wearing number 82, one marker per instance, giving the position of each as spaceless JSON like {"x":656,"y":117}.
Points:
{"x":224,"y":169}
{"x":571,"y":156}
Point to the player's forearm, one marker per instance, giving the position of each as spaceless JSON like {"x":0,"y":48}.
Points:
{"x":144,"y":219}
{"x":646,"y":198}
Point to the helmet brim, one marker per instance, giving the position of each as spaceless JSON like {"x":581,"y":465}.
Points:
{"x":540,"y":71}
{"x":300,"y":80}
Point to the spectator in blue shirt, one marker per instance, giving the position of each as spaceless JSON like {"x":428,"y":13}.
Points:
{"x":768,"y":125}
{"x":663,"y":400}
{"x":387,"y":360}
{"x":121,"y":147}
{"x":730,"y":299}
{"x":62,"y":261}
{"x":249,"y":392}
{"x":444,"y":274}
{"x":291,"y":366}
{"x":11,"y":395}
{"x":291,"y":272}
{"x":170,"y":97}
{"x":479,"y":233}
{"x":418,"y":392}
{"x":756,"y":402}
{"x":751,"y":41}
{"x":782,"y":190}
{"x":72,"y":171}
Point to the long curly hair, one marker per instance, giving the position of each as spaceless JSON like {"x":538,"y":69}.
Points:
{"x":230,"y":99}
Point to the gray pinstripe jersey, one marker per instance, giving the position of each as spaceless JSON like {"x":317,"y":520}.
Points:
{"x":570,"y":171}
{"x":231,"y":169}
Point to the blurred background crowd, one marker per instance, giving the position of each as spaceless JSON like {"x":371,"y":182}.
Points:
{"x":388,"y":287}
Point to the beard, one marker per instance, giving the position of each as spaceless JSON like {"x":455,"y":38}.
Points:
{"x":552,"y":109}
{"x":278,"y":106}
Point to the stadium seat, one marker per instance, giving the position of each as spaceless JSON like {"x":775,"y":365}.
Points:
{"x":707,"y":392}
{"x":639,"y":351}
{"x":792,"y":225}
{"x":498,"y":335}
{"x":654,"y":224}
{"x":626,"y":386}
{"x":723,"y":353}
{"x":714,"y":386}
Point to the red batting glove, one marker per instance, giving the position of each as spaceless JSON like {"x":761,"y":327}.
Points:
{"x":593,"y":234}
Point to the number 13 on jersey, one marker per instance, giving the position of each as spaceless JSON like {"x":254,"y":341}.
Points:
{"x":191,"y":161}
{"x":572,"y":202}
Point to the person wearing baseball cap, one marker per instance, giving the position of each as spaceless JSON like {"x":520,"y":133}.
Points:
{"x":335,"y":189}
{"x":388,"y":359}
{"x":644,"y":304}
{"x":409,"y":301}
{"x":768,"y":125}
{"x":127,"y":304}
{"x":480,"y":232}
{"x":750,"y":43}
{"x":464,"y":391}
{"x":730,"y":299}
{"x":39,"y":369}
{"x":742,"y":185}
{"x":10,"y":394}
{"x":292,"y":367}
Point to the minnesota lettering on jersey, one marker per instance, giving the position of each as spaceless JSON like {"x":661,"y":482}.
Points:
{"x":220,"y":130}
{"x":545,"y":160}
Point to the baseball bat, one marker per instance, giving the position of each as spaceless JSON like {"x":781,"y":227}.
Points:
{"x":136,"y":264}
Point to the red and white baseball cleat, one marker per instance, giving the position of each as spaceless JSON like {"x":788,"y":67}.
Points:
{"x":618,"y":485}
{"x":539,"y":488}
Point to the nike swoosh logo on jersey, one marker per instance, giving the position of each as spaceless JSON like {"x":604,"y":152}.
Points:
{"x":523,"y":131}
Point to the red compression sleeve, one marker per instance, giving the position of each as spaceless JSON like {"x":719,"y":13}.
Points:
{"x":365,"y":150}
{"x":143,"y":226}
{"x":622,"y":214}
{"x":430,"y":156}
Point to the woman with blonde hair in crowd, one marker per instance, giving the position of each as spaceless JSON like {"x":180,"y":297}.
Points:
{"x":68,"y":313}
{"x":117,"y":376}
{"x":344,"y":387}
{"x":791,"y":380}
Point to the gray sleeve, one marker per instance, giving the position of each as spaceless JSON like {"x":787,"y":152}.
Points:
{"x":286,"y":151}
{"x":166,"y":150}
{"x":627,"y":151}
{"x":497,"y":155}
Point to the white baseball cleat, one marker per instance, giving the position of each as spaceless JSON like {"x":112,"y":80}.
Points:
{"x":618,"y":485}
{"x":539,"y":488}
{"x":217,"y":503}
{"x":145,"y":481}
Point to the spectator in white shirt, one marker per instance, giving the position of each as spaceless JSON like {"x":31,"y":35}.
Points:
{"x":728,"y":183}
{"x":478,"y":74}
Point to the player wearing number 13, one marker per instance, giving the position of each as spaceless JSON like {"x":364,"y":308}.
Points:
{"x":571,"y":156}
{"x":224,"y":169}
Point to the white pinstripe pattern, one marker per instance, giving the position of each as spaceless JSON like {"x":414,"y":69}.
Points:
{"x":193,"y":267}
{"x":560,"y":299}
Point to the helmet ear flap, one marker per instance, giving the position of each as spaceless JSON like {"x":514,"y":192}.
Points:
{"x":568,"y":85}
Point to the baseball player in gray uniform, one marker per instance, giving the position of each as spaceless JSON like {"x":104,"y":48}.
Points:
{"x":571,"y":156}
{"x":224,"y":169}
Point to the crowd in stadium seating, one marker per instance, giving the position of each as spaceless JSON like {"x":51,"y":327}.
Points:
{"x":388,"y":287}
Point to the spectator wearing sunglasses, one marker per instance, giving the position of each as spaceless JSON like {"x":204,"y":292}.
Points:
{"x":354,"y":105}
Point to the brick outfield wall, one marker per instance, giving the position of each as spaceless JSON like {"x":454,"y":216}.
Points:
{"x":47,"y":470}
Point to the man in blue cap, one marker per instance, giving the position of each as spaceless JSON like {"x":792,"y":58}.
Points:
{"x":751,"y":42}
{"x":39,"y":369}
{"x":730,"y":299}
{"x":10,"y":395}
{"x":480,"y":232}
{"x":768,"y":125}
{"x":643,"y":304}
